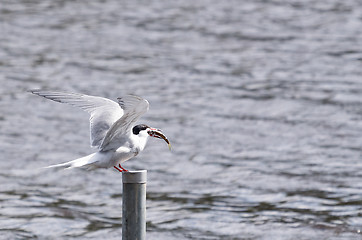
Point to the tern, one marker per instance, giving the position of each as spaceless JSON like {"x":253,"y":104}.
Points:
{"x":112,"y":128}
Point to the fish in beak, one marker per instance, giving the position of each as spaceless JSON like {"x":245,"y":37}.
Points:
{"x":157,"y":133}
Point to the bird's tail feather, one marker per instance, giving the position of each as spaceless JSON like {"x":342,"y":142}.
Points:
{"x":80,"y":162}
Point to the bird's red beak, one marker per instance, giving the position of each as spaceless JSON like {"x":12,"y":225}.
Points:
{"x":157,"y":133}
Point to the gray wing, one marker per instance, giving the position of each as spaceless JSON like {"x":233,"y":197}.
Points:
{"x":134,"y":107}
{"x":103,"y":112}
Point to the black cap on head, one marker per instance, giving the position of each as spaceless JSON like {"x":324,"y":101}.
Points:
{"x":136,"y":129}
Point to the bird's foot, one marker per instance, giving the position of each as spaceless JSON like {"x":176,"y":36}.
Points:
{"x":120,"y":169}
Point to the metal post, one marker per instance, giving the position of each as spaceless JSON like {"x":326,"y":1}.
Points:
{"x":134,"y":205}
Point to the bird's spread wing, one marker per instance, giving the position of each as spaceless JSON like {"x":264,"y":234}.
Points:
{"x":103,"y":112}
{"x":134,"y":107}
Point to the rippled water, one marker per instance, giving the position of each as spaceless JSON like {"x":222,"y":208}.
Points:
{"x":262,"y":101}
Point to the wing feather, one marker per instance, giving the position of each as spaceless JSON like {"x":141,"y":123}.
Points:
{"x":103,"y":112}
{"x":134,"y":107}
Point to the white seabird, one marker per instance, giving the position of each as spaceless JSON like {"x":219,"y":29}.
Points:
{"x":112,"y":128}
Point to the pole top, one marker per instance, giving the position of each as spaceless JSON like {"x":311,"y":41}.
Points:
{"x":134,"y":176}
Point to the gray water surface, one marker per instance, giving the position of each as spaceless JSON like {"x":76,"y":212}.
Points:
{"x":262,"y":101}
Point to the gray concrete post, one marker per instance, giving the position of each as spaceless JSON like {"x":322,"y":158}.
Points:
{"x":134,"y":205}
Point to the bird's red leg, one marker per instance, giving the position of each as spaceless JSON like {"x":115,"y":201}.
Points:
{"x":123,"y":169}
{"x":120,"y":169}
